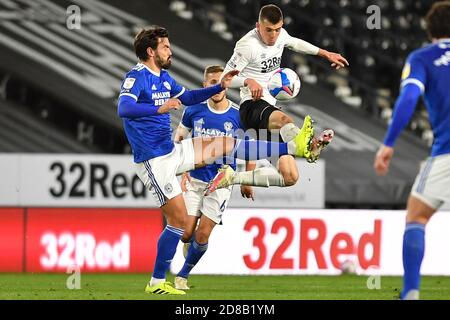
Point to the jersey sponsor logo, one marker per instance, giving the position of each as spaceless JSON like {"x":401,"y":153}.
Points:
{"x":444,"y":60}
{"x":128,"y":83}
{"x":406,"y":71}
{"x":159,"y":98}
{"x":167,"y":85}
{"x":270,"y":65}
{"x":160,"y":95}
{"x":199,"y":131}
{"x":228,"y":126}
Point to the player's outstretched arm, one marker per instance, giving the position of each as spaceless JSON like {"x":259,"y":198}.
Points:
{"x":337,"y":60}
{"x":302,"y":46}
{"x":191,"y":97}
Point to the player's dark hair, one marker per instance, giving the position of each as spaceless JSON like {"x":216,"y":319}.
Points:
{"x":213,"y":69}
{"x":438,"y":20}
{"x":271,"y":13}
{"x":148,"y":38}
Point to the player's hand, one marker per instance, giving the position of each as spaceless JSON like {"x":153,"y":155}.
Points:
{"x":255,"y":88}
{"x":226,"y":79}
{"x":337,"y":61}
{"x":383,"y":159}
{"x":247,"y":192}
{"x":185,"y":178}
{"x":169,"y":105}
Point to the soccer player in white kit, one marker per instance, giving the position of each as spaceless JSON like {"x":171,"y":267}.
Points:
{"x":257,"y":56}
{"x":426,"y":73}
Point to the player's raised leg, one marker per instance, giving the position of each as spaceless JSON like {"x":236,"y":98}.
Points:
{"x":287,"y":173}
{"x":208,"y":150}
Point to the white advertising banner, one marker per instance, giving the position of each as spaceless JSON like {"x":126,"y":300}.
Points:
{"x":71,"y":180}
{"x":270,"y":242}
{"x":98,"y":180}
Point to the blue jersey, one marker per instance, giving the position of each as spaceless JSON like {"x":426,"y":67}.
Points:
{"x":207,"y":122}
{"x":429,"y":69}
{"x":150,"y":136}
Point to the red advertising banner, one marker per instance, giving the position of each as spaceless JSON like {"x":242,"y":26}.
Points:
{"x":94,"y":240}
{"x":11,"y":239}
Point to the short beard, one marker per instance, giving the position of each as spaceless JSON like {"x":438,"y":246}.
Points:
{"x":163,"y":65}
{"x":217,"y":101}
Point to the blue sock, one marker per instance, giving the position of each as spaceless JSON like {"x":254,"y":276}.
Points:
{"x":167,"y":246}
{"x":258,"y":149}
{"x":195,"y":252}
{"x":413,"y":251}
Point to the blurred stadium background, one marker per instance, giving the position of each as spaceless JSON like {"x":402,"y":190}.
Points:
{"x":68,"y":194}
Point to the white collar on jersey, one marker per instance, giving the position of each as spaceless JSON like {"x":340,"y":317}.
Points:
{"x":151,"y":71}
{"x":444,"y":40}
{"x":217,"y":111}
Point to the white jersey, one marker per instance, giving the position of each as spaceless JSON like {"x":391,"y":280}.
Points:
{"x":258,"y":61}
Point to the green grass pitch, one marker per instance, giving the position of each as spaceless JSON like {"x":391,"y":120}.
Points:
{"x":215,"y":287}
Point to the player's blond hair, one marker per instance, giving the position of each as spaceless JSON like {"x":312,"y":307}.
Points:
{"x":212,"y":69}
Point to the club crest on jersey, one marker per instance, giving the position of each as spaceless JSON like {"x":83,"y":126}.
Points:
{"x":228,"y":126}
{"x":153,"y":87}
{"x":263,"y":56}
{"x":167,"y":85}
{"x":168,"y":187}
{"x":128,"y":83}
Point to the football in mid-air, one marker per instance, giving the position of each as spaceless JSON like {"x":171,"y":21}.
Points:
{"x":284,"y":84}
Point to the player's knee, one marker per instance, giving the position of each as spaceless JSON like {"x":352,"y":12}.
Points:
{"x":284,"y":119}
{"x":290,"y":178}
{"x":178,"y":221}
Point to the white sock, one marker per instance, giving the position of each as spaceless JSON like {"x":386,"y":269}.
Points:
{"x":261,"y":177}
{"x":155,"y":281}
{"x":289,"y":131}
{"x":292,"y":147}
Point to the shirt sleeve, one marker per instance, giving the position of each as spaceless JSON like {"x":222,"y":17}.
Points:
{"x":176,"y":89}
{"x":414,"y":72}
{"x":403,"y":112}
{"x":186,"y":119}
{"x":132,"y":86}
{"x":239,"y":60}
{"x":299,"y":45}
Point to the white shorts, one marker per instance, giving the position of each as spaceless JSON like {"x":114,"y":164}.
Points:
{"x":432,"y":184}
{"x":159,"y":174}
{"x":212,"y":206}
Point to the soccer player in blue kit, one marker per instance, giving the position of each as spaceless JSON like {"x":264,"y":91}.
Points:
{"x":427,"y":73}
{"x":147,"y":95}
{"x":216,"y":117}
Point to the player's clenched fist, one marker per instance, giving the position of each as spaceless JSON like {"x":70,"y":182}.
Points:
{"x":169,"y":105}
